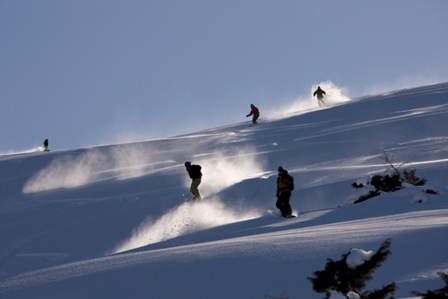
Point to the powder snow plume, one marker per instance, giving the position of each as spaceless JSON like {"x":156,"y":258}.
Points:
{"x":223,"y":169}
{"x":67,"y":172}
{"x":36,"y":149}
{"x":118,"y":163}
{"x":187,"y":218}
{"x":334,"y":95}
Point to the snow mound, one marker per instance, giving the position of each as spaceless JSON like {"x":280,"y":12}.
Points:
{"x":357,"y":257}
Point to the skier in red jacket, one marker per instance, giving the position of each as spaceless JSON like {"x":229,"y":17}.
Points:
{"x":255,"y":112}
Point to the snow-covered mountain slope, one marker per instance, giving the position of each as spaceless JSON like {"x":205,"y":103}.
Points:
{"x":117,"y":221}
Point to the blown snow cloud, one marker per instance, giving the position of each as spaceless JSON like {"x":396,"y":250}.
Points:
{"x":334,"y":95}
{"x":187,"y":218}
{"x":118,"y":163}
{"x":221,"y":170}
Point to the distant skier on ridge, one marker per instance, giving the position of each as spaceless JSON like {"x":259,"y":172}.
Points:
{"x":320,"y":96}
{"x":194,"y":171}
{"x":46,"y":146}
{"x":285,"y":185}
{"x":255,"y":112}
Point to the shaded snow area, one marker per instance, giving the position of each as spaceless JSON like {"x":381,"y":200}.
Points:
{"x":118,"y":221}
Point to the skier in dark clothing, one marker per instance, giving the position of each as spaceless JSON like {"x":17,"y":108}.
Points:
{"x":285,"y":185}
{"x":255,"y":112}
{"x":194,"y":171}
{"x":46,"y":145}
{"x":320,"y":96}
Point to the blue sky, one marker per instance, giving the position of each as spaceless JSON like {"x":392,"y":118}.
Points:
{"x":85,"y":73}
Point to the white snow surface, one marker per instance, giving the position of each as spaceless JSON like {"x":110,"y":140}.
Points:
{"x":337,"y":295}
{"x":117,"y":221}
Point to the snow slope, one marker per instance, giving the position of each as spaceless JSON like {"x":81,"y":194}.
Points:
{"x":117,"y":221}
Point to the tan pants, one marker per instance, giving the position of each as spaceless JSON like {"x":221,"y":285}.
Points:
{"x":194,"y":188}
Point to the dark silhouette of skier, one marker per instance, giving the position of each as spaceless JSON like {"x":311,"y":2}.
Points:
{"x":285,"y":185}
{"x":320,"y":96}
{"x":194,"y":171}
{"x":255,"y":112}
{"x":46,"y":145}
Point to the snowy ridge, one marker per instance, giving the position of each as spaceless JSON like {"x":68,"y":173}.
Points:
{"x":117,"y":221}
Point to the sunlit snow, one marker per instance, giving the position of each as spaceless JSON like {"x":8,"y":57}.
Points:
{"x":117,"y":221}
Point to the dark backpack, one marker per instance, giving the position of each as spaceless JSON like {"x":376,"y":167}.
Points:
{"x":291,"y":181}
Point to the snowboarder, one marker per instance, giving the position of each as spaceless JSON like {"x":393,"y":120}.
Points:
{"x":320,"y":96}
{"x":46,"y":145}
{"x":194,"y":171}
{"x":255,"y":112}
{"x":285,"y":185}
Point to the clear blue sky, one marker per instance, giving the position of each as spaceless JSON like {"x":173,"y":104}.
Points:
{"x":89,"y":72}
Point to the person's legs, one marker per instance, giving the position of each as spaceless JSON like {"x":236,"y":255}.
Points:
{"x":321,"y":101}
{"x":194,"y":188}
{"x":283,"y":204}
{"x":254,"y":119}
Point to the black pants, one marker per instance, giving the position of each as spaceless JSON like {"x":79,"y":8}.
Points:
{"x":254,"y":118}
{"x":283,"y":203}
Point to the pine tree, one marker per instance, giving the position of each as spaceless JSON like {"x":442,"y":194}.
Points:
{"x":437,"y":294}
{"x":338,"y":276}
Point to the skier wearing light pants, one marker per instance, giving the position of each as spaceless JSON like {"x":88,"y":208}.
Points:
{"x":194,"y":171}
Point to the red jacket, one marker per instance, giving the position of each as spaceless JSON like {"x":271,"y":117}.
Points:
{"x":254,"y":111}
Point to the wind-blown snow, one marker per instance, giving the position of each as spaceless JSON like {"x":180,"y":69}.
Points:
{"x":117,"y":221}
{"x":334,"y":95}
{"x":185,"y":219}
